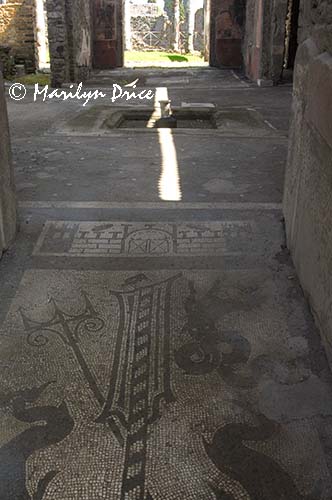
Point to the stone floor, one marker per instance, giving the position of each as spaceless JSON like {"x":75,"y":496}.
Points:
{"x":155,"y":342}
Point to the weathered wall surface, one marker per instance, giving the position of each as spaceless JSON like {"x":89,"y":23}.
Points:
{"x":159,"y":25}
{"x":198,"y":41}
{"x":308,"y":183}
{"x":7,"y":190}
{"x":69,"y":33}
{"x":81,"y":51}
{"x":7,"y":61}
{"x":17,"y":30}
{"x":107,"y":33}
{"x":226,"y":32}
{"x":252,"y":48}
{"x":265,"y":39}
{"x":58,"y":43}
{"x":316,"y":22}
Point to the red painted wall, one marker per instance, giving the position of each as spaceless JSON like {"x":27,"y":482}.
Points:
{"x":228,"y":19}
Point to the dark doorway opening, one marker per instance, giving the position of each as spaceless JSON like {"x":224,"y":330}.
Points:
{"x":291,"y":40}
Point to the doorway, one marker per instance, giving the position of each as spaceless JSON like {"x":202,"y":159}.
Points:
{"x":291,"y":35}
{"x":164,"y":33}
{"x":107,"y":34}
{"x":41,"y":33}
{"x":167,"y":33}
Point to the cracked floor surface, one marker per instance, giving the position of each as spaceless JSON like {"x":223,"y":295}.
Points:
{"x":158,"y":349}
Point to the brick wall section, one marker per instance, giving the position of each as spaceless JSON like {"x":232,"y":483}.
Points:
{"x":17,"y":31}
{"x":308,"y":183}
{"x":69,"y":33}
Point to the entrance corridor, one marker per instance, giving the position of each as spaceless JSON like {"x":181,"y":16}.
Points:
{"x":155,"y":341}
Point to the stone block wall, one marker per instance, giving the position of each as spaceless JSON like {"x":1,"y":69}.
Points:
{"x":7,"y":189}
{"x":70,"y":45}
{"x":308,"y":182}
{"x":17,"y":30}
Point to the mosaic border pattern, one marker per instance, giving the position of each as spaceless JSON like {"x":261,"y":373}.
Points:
{"x":142,"y":239}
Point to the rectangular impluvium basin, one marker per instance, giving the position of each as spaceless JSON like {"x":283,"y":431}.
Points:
{"x":237,"y":121}
{"x":179,"y":118}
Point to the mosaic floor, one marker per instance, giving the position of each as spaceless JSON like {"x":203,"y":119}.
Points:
{"x":126,"y":385}
{"x":143,"y":239}
{"x":154,"y":350}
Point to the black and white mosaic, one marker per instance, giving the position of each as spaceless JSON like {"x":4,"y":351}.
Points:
{"x":152,"y":386}
{"x":98,"y":239}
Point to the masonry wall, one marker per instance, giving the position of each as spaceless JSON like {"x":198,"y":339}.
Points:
{"x":264,"y":42}
{"x":308,"y":183}
{"x":69,"y":33}
{"x":7,"y":189}
{"x":17,"y":31}
{"x":253,"y":41}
